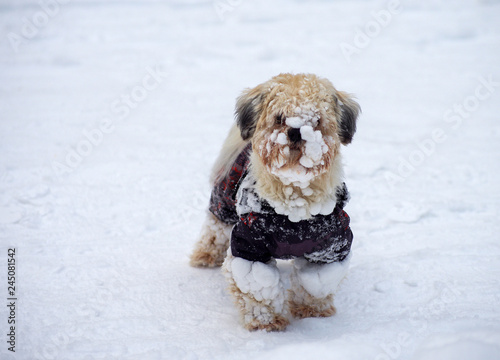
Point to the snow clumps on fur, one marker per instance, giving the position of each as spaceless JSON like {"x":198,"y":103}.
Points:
{"x":258,"y":291}
{"x":320,"y":280}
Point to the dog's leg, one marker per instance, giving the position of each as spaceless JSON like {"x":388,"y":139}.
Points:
{"x":258,"y":293}
{"x":211,"y":249}
{"x":313,"y":287}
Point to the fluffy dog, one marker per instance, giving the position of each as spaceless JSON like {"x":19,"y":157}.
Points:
{"x":278,"y":193}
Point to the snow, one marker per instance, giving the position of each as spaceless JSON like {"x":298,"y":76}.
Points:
{"x":295,"y":175}
{"x":282,"y":139}
{"x":315,"y":147}
{"x":112,"y":113}
{"x":295,"y":121}
{"x":212,"y":226}
{"x":254,"y":277}
{"x":247,"y":199}
{"x":465,"y":347}
{"x":295,"y":206}
{"x":321,"y":280}
{"x":308,"y":115}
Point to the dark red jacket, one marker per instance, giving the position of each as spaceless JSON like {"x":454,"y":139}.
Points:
{"x":260,"y":236}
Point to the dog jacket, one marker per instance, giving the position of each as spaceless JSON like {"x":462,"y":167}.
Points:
{"x":259,"y":233}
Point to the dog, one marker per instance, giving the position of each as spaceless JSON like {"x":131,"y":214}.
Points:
{"x":278,"y":193}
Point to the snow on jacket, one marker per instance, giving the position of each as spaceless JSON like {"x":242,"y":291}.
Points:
{"x":259,"y":233}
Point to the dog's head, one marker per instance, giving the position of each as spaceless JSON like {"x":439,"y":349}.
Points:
{"x":296,"y":124}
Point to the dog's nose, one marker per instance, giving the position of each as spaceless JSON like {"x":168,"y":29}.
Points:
{"x":294,"y":135}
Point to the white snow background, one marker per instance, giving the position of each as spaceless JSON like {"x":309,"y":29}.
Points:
{"x":104,"y":174}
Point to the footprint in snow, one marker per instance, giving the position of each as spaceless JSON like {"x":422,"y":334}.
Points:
{"x":383,"y":286}
{"x":33,"y":193}
{"x":11,"y":215}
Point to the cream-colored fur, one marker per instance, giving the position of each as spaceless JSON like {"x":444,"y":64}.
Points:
{"x":212,"y":246}
{"x":261,"y":306}
{"x":313,"y":287}
{"x":262,"y":113}
{"x":304,"y":305}
{"x":285,"y":95}
{"x":232,"y":147}
{"x":273,"y":190}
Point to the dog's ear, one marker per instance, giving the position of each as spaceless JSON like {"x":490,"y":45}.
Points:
{"x":349,"y":111}
{"x":248,"y":109}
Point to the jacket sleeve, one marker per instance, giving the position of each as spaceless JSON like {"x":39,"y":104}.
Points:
{"x":249,"y":239}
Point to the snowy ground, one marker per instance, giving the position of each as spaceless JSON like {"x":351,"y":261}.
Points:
{"x":111,"y":113}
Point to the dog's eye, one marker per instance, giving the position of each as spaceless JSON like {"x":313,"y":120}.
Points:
{"x":279,"y":119}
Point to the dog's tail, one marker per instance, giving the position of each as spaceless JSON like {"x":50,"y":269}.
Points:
{"x":233,"y":146}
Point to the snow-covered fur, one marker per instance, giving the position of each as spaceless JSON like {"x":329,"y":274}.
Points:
{"x":210,"y":250}
{"x":258,"y":292}
{"x":280,"y":168}
{"x":313,"y":286}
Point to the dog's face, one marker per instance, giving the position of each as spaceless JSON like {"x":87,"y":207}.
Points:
{"x":296,"y":124}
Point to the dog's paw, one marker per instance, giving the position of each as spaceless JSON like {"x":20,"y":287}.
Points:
{"x":301,"y":311}
{"x":200,"y":258}
{"x":306,"y":305}
{"x":279,"y":323}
